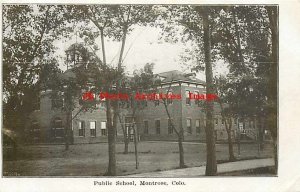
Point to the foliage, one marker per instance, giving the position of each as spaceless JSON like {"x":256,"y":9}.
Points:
{"x":28,"y":35}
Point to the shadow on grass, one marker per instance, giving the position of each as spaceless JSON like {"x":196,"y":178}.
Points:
{"x":261,"y":171}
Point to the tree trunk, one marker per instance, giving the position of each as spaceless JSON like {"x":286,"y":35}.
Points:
{"x":228,"y":130}
{"x":112,"y":169}
{"x":67,"y":129}
{"x":126,"y":143}
{"x":211,"y":163}
{"x":181,"y":151}
{"x":272,"y":83}
{"x":103,"y":47}
{"x":122,"y":48}
{"x":125,"y":136}
{"x":135,"y":148}
{"x":261,"y":133}
{"x":237,"y":34}
{"x":179,"y":136}
{"x":230,"y":144}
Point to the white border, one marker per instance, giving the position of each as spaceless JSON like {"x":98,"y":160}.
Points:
{"x":289,"y":132}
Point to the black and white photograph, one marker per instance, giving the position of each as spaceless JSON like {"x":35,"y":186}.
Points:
{"x":139,"y":91}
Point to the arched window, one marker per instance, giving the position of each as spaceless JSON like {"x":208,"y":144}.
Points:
{"x":57,"y":128}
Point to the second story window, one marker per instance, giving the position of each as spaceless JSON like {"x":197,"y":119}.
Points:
{"x":187,"y":97}
{"x":156,"y":101}
{"x":197,"y":101}
{"x":169,"y":99}
{"x":57,"y":102}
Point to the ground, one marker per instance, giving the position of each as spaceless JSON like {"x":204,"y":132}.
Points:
{"x":92,"y":159}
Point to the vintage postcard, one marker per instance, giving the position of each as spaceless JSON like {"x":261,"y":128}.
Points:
{"x":126,"y":97}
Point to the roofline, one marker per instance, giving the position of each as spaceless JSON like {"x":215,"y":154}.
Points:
{"x":181,"y":81}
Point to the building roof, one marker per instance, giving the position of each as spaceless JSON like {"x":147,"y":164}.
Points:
{"x":178,"y":76}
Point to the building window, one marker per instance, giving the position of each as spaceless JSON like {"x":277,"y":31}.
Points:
{"x":57,"y":103}
{"x":197,"y":99}
{"x":58,"y":130}
{"x":156,"y":102}
{"x":81,"y":128}
{"x":103,"y":128}
{"x":146,"y":127}
{"x":216,"y":121}
{"x":93,"y":128}
{"x":235,"y":121}
{"x":157,"y":126}
{"x":144,"y":103}
{"x":189,"y":126}
{"x":197,"y":126}
{"x":170,"y":128}
{"x":187,"y":96}
{"x":169,"y":98}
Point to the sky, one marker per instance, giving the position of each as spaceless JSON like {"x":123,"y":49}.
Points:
{"x":142,"y":46}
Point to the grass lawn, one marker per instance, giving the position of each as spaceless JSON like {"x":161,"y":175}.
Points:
{"x":92,"y":159}
{"x":262,"y":171}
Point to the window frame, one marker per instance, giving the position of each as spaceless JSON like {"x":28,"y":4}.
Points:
{"x":198,"y":128}
{"x":169,"y":101}
{"x":157,"y":127}
{"x":81,"y":128}
{"x":187,"y":98}
{"x":146,"y":128}
{"x":93,"y":130}
{"x":103,"y":130}
{"x":189,"y":128}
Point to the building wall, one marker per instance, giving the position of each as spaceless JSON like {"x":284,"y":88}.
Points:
{"x":179,"y":112}
{"x":46,"y":115}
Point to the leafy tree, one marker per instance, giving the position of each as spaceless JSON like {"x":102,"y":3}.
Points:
{"x":273,"y":76}
{"x":195,"y":25}
{"x":247,"y":42}
{"x":178,"y":131}
{"x":227,"y":95}
{"x":113,"y":21}
{"x":28,"y":33}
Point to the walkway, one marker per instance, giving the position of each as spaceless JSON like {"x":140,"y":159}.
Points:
{"x":200,"y":171}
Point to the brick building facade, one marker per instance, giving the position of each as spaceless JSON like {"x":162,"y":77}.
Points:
{"x":47,"y":123}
